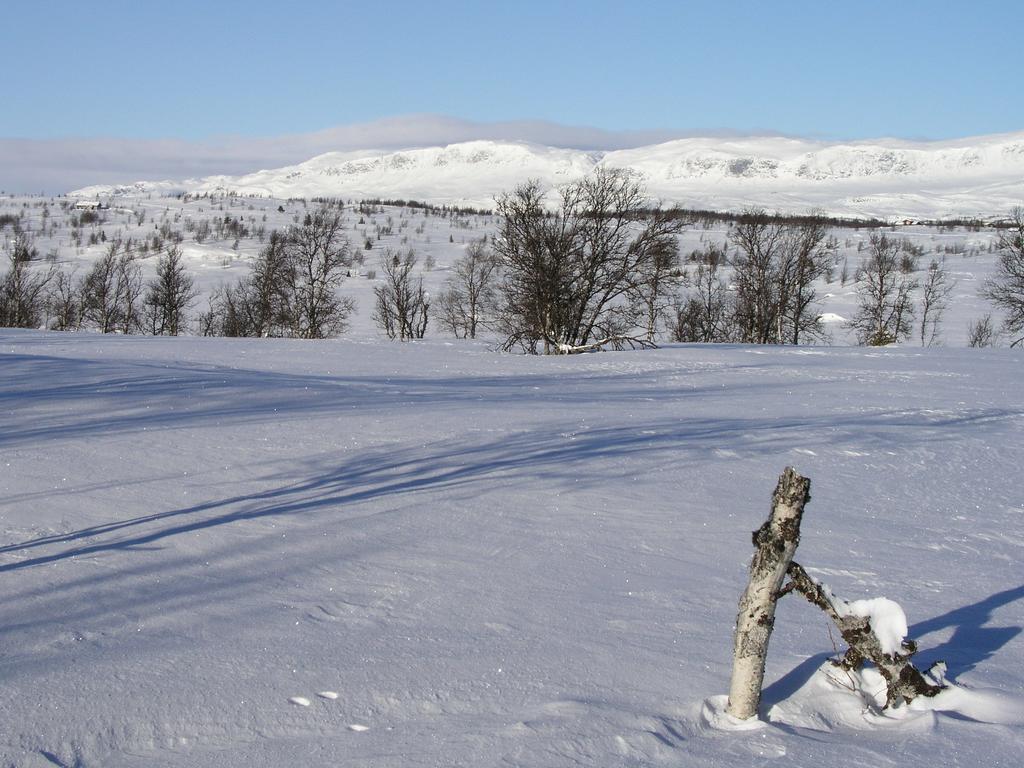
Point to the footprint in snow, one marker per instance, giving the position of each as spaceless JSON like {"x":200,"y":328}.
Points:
{"x":302,"y":701}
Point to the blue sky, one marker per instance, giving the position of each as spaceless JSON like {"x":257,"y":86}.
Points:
{"x":826,"y":69}
{"x":231,"y":71}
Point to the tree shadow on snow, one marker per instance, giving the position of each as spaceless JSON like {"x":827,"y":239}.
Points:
{"x":52,"y":398}
{"x":972,"y":642}
{"x":556,"y":454}
{"x":550,"y":454}
{"x":48,"y":398}
{"x":792,"y":681}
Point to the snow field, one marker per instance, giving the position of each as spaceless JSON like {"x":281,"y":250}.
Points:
{"x":490,"y":559}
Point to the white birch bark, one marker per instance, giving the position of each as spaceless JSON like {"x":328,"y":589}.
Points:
{"x":775,"y":544}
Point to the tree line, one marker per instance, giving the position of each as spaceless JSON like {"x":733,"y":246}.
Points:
{"x":598,"y":269}
{"x":111,"y":296}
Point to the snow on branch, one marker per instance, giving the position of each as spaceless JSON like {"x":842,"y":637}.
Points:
{"x":876,"y":631}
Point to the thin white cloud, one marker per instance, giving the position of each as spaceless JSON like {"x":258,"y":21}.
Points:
{"x":57,"y":165}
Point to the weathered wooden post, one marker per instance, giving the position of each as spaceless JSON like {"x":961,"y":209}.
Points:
{"x":775,"y":544}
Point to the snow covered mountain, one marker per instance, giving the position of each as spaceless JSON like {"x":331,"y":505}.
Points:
{"x":981,"y":176}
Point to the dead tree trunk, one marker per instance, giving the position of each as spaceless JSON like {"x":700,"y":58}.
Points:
{"x":904,"y":682}
{"x":775,"y":544}
{"x":874,"y":629}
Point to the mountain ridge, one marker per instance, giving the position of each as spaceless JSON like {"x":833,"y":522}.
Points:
{"x":980,"y":176}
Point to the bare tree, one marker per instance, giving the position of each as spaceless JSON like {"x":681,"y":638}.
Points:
{"x":934,"y":301}
{"x":774,"y":271}
{"x":318,"y":256}
{"x":293,"y":287}
{"x":64,"y":302}
{"x":809,"y":254}
{"x":470,"y":292}
{"x":1006,"y":287}
{"x":267,"y":306}
{"x":22,"y":246}
{"x":212,"y":321}
{"x":105,"y":288}
{"x":885,"y":311}
{"x":259,"y":304}
{"x":169,"y":294}
{"x":981,"y":332}
{"x":706,"y":315}
{"x":534,"y":248}
{"x":658,"y":287}
{"x":129,"y":292}
{"x":23,"y":292}
{"x":571,"y":277}
{"x":402,"y":305}
{"x":760,"y":276}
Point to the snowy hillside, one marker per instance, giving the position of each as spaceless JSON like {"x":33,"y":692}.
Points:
{"x":970,"y":177}
{"x":217,"y":255}
{"x":267,"y":552}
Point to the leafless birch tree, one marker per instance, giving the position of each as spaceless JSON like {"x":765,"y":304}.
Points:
{"x":23,"y":291}
{"x":402,"y":306}
{"x":934,"y":301}
{"x":885,"y":310}
{"x":1006,"y":288}
{"x":571,"y":277}
{"x":169,"y":294}
{"x":470,"y":293}
{"x":706,"y":313}
{"x":318,"y":255}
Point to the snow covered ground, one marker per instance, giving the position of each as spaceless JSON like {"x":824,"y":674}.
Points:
{"x":351,"y":552}
{"x":967,"y":255}
{"x":885,"y":178}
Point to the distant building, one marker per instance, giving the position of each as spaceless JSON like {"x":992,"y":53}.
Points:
{"x":88,"y":205}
